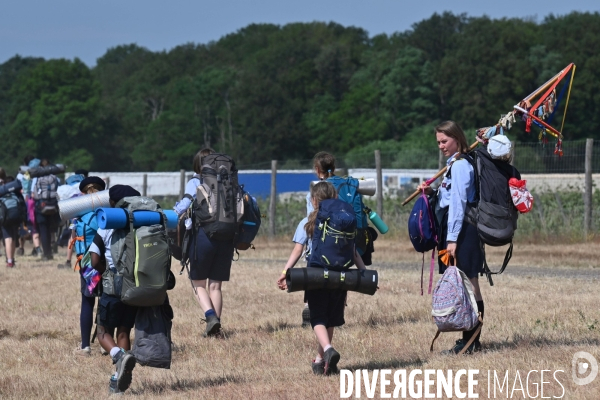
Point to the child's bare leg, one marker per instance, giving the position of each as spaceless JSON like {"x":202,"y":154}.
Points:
{"x":216,"y":296}
{"x":202,"y":295}
{"x":324,"y":338}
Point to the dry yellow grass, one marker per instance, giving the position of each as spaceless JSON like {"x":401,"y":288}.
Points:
{"x":538,"y":316}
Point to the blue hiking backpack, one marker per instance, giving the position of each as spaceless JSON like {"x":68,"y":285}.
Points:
{"x":85,"y":230}
{"x":250,"y":222}
{"x":333,"y":237}
{"x":347,"y":189}
{"x":422,"y":229}
{"x":421,"y":226}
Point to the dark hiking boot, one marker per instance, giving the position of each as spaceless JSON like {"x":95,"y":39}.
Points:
{"x":460,"y":344}
{"x":318,"y":368}
{"x":305,"y":317}
{"x":125,"y":364}
{"x":213,"y":326}
{"x":331,"y":358}
{"x":20,"y":251}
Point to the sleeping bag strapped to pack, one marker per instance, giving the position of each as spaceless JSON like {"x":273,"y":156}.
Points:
{"x":333,"y":238}
{"x":11,"y":187}
{"x":13,"y":210}
{"x":248,"y":229}
{"x":218,"y":207}
{"x":142,"y":257}
{"x":37,"y":172}
{"x":152,"y":344}
{"x":347,"y":189}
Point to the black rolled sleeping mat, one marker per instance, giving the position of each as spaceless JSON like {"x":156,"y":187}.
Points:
{"x":361,"y":281}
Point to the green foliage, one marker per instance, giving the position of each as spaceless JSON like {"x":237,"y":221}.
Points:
{"x":285,"y":92}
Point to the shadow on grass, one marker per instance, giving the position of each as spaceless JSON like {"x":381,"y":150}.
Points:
{"x":520,"y":341}
{"x":388,"y":364}
{"x":277,"y":326}
{"x":182,"y":385}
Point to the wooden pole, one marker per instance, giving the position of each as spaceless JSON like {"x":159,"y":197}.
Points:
{"x":433,"y":178}
{"x":273,"y":200}
{"x":145,"y":185}
{"x":512,"y":152}
{"x":181,"y":183}
{"x":379,"y":192}
{"x":587,"y":199}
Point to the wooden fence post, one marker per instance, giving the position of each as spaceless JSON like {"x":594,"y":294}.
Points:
{"x":145,"y":185}
{"x":273,"y":200}
{"x":587,"y":198}
{"x":379,"y":193}
{"x":181,"y":183}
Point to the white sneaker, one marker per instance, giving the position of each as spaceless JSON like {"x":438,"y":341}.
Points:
{"x":85,"y":352}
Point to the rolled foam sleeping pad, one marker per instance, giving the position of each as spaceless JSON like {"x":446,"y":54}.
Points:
{"x":11,"y":187}
{"x":117,"y":218}
{"x":81,"y":205}
{"x":47,"y":170}
{"x":311,"y":278}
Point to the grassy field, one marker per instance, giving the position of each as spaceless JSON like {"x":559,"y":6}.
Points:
{"x":541,"y":311}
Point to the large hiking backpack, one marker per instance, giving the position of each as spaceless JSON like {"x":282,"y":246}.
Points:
{"x":13,"y":209}
{"x":251,"y":220}
{"x":218,"y":207}
{"x":333,"y":238}
{"x":422,"y":230}
{"x":347,"y":189}
{"x":454,"y":307}
{"x":85,"y":230}
{"x":141,"y":256}
{"x":494,"y":213}
{"x":45,"y":195}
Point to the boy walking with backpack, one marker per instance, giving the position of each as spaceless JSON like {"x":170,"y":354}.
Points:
{"x":112,"y":312}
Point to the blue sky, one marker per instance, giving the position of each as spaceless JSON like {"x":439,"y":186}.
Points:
{"x":86,"y":29}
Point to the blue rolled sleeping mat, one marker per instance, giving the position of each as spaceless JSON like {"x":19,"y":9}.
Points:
{"x":356,"y":280}
{"x":11,"y":187}
{"x":117,"y":218}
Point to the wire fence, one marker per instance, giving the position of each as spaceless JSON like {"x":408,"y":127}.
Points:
{"x":529,"y":158}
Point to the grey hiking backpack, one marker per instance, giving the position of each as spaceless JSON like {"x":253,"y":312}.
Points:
{"x":141,"y":256}
{"x":45,"y":196}
{"x":13,"y":210}
{"x":218,"y":207}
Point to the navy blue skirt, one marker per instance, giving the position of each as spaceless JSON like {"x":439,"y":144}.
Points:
{"x":468,"y":250}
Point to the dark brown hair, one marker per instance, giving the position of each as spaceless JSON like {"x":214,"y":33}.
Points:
{"x":91,"y":188}
{"x":325,"y":163}
{"x":453,"y":130}
{"x":197,"y":164}
{"x":2,"y":174}
{"x":319,"y":191}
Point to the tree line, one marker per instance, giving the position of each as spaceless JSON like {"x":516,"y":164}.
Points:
{"x":285,"y":92}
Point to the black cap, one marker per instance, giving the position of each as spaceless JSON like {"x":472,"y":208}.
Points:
{"x":92,"y":179}
{"x":117,"y":192}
